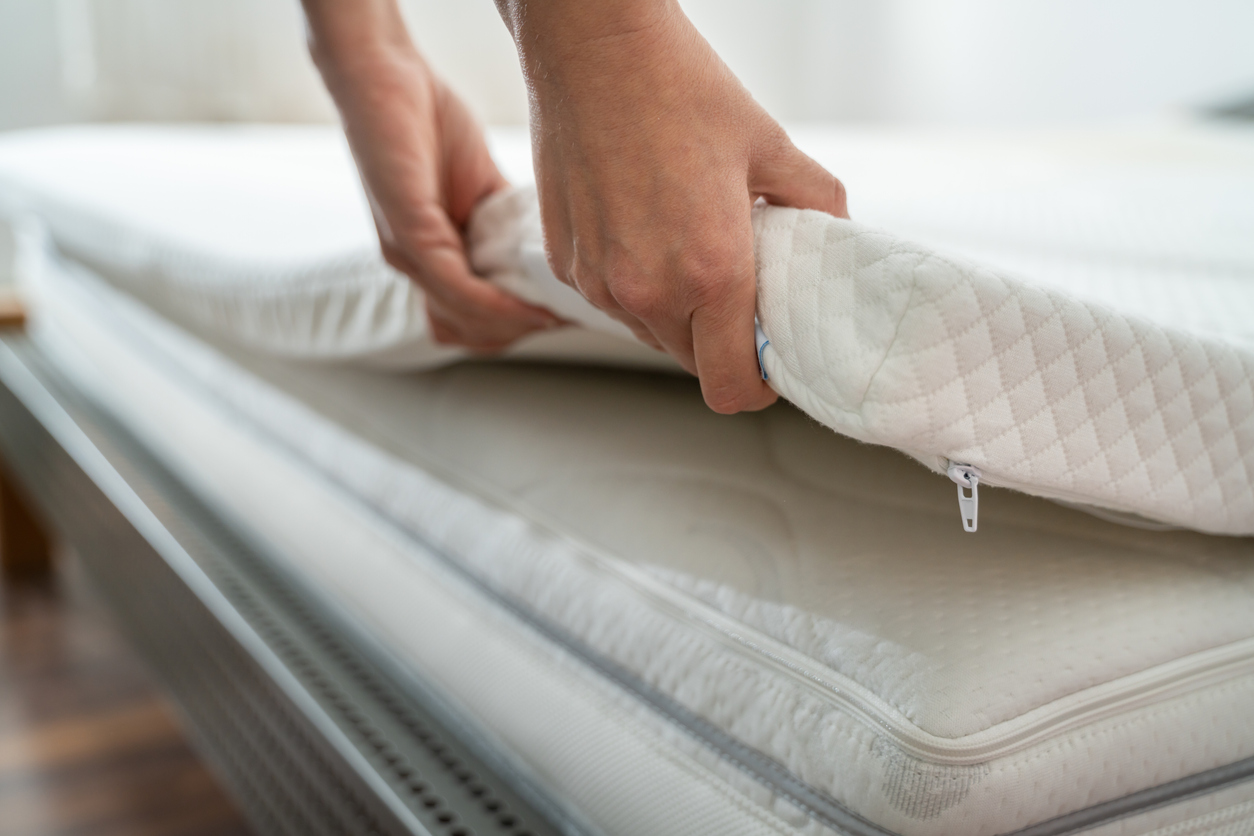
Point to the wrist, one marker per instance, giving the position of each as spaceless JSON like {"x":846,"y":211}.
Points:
{"x":569,"y":37}
{"x":377,"y":66}
{"x":364,"y":40}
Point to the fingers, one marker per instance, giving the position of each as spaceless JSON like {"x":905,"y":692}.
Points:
{"x":466,"y":158}
{"x":657,"y":310}
{"x":700,"y":310}
{"x":790,"y":178}
{"x":643,"y":300}
{"x":723,"y":343}
{"x":463,"y":308}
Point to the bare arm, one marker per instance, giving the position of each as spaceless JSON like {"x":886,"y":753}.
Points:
{"x":649,"y":155}
{"x":424,"y":164}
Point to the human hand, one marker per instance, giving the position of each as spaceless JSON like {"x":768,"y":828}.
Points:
{"x":424,"y":164}
{"x":649,"y":155}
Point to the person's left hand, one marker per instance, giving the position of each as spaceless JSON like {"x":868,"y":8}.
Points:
{"x":424,"y":164}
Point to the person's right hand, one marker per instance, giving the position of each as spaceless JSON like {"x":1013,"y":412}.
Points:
{"x":649,"y":156}
{"x":424,"y":164}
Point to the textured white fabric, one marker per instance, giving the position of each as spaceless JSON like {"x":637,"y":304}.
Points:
{"x":1051,"y":384}
{"x":261,"y":235}
{"x":893,"y":343}
{"x":805,"y":593}
{"x":613,"y":765}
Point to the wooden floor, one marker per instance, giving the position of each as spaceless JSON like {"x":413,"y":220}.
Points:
{"x":87,"y":744}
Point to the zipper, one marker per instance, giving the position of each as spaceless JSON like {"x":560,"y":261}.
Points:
{"x":1146,"y":688}
{"x":967,"y":478}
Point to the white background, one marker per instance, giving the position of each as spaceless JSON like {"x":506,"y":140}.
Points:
{"x":903,"y":61}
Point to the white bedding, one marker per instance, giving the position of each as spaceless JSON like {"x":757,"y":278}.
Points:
{"x":1058,"y":377}
{"x":1036,"y":388}
{"x":260,"y":234}
{"x":807,"y":595}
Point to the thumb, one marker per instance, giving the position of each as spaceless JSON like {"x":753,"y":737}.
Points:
{"x":790,"y":178}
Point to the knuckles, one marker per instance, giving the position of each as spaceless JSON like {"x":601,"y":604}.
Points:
{"x":590,"y":282}
{"x":693,"y":279}
{"x":708,"y":276}
{"x":396,"y":259}
{"x":639,"y":294}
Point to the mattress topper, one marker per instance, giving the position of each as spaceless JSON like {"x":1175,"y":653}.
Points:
{"x":982,"y":374}
{"x":1076,"y":372}
{"x":805,"y":593}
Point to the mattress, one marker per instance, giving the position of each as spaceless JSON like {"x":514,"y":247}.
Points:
{"x":293,"y":269}
{"x":1038,"y":377}
{"x":679,"y":622}
{"x":990,"y":376}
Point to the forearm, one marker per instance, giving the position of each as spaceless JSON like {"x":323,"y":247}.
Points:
{"x":351,"y":39}
{"x":553,"y":34}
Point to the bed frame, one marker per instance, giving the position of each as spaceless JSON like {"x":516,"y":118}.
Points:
{"x":312,"y":726}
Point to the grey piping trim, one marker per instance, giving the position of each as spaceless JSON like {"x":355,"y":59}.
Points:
{"x":764,"y":769}
{"x":1145,"y":801}
{"x":749,"y":760}
{"x":753,"y":763}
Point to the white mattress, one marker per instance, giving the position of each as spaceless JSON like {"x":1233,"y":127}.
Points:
{"x":1078,"y":375}
{"x":261,"y":233}
{"x":803,"y":640}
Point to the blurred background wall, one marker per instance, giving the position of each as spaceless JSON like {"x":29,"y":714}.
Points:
{"x":906,"y":61}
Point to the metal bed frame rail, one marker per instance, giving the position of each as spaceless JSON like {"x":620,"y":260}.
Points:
{"x":310,"y":724}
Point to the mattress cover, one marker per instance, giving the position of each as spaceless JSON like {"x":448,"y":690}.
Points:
{"x":292,"y":268}
{"x":1043,"y":379}
{"x":772,"y":586}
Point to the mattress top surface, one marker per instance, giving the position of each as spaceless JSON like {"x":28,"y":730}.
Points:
{"x":766,"y":515}
{"x":840,"y":556}
{"x":845,"y":555}
{"x":1043,"y":204}
{"x":1098,"y":350}
{"x":324,"y":214}
{"x":847,"y":552}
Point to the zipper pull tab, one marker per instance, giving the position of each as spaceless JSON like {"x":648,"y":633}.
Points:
{"x":966,"y":477}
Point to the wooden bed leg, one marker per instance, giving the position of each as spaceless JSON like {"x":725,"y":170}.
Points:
{"x":25,"y":549}
{"x":12,"y":310}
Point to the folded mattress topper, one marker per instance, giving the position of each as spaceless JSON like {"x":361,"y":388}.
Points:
{"x":796,"y":602}
{"x":806,"y":596}
{"x":1041,"y":380}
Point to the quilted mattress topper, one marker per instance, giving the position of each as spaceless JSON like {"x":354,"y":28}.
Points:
{"x":1051,"y":379}
{"x":981,"y":373}
{"x":807,"y":595}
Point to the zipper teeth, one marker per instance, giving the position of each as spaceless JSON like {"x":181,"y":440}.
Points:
{"x":827,"y":684}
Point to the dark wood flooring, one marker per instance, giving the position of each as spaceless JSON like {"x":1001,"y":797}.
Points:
{"x":87,"y":743}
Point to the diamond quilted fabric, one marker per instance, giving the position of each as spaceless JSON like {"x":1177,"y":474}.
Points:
{"x":1118,"y":375}
{"x":893,"y":343}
